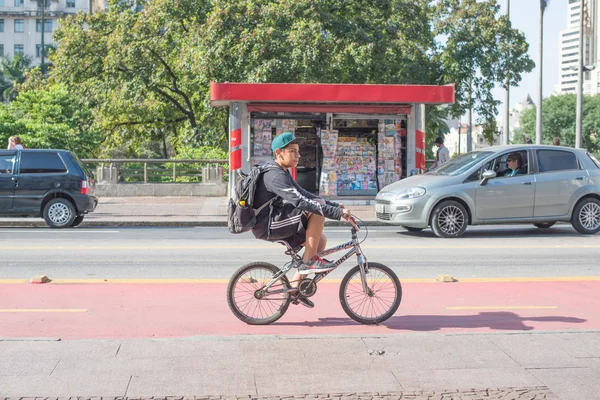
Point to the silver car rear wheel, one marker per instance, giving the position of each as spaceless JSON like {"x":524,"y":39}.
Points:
{"x":586,"y":216}
{"x":449,"y":219}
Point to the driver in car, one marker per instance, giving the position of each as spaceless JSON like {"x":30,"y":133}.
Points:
{"x":514,"y":162}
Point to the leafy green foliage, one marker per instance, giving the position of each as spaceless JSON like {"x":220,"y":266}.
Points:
{"x":480,"y":51}
{"x":558,"y":120}
{"x":144,"y":67}
{"x":46,"y":115}
{"x":12,"y":72}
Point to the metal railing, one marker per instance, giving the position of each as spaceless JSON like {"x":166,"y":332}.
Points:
{"x":120,"y":170}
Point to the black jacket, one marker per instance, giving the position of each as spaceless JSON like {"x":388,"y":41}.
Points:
{"x":278,"y":183}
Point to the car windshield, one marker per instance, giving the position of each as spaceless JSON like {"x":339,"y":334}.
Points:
{"x":460,"y":164}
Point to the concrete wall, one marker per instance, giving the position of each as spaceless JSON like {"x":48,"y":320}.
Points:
{"x":161,"y":189}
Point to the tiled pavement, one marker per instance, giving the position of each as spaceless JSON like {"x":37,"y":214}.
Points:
{"x":525,"y":393}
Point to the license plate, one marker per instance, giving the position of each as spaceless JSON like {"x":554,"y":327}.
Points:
{"x":380,"y":208}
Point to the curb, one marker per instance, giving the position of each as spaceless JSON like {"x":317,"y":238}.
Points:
{"x":108,"y":223}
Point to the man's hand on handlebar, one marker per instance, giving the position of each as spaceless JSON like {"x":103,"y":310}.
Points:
{"x":346,"y":213}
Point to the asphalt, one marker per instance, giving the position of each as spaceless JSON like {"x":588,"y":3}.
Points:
{"x":171,"y":211}
{"x":504,"y":365}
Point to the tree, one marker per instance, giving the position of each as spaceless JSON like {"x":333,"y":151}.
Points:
{"x":558,"y":119}
{"x":46,"y":115}
{"x":131,"y":65}
{"x":12,"y":71}
{"x":146,"y":72}
{"x":538,"y":126}
{"x":478,"y":51}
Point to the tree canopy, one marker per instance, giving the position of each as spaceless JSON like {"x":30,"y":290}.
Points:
{"x":145,"y":71}
{"x":46,"y":115}
{"x":558,"y":120}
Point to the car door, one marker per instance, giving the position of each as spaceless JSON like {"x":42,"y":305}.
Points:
{"x":39,"y":173}
{"x":506,"y":197}
{"x":7,"y":180}
{"x":558,"y":176}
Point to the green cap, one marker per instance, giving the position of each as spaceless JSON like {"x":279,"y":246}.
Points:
{"x":282,"y":140}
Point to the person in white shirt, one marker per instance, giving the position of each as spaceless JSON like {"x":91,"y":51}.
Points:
{"x":442,"y":155}
{"x":14,"y":143}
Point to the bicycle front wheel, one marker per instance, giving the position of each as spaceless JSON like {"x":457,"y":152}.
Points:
{"x":250,"y":302}
{"x":381,"y":300}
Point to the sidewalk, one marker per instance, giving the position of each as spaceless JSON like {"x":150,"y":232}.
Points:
{"x":542,"y":365}
{"x":171,"y":211}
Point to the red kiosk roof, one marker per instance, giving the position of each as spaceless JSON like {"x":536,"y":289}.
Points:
{"x":222,"y":94}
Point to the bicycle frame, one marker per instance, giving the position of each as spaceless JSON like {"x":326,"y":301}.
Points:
{"x":353,"y":244}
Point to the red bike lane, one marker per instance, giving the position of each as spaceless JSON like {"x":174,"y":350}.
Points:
{"x":170,"y":310}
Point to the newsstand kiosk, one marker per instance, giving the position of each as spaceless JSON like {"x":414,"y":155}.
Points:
{"x":355,"y":139}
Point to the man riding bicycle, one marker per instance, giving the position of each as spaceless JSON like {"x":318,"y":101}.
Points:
{"x":296,"y":215}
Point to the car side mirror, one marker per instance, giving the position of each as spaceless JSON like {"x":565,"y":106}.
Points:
{"x":486,"y":176}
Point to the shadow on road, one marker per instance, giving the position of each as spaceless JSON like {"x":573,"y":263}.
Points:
{"x":524,"y":232}
{"x":426,"y":323}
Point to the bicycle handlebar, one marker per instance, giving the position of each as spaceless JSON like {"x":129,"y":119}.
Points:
{"x":353,"y":222}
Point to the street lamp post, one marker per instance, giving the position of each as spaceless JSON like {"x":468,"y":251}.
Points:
{"x":506,"y":128}
{"x":43,"y":3}
{"x":579,"y":109}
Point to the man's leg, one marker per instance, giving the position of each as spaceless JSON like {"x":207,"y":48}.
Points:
{"x":322,"y":245}
{"x":314,"y":232}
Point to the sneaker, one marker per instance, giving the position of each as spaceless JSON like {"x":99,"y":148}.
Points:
{"x":315,"y":265}
{"x":304,"y":301}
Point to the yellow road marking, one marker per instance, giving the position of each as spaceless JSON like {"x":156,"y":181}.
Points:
{"x":43,"y":310}
{"x":502,"y":308}
{"x":327,"y":280}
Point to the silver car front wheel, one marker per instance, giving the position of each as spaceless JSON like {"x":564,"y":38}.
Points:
{"x":586,"y":216}
{"x":449,"y":219}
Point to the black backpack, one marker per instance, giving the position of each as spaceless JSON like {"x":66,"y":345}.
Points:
{"x":241,"y":215}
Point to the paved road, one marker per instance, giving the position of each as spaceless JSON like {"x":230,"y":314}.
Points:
{"x":201,"y":253}
{"x":545,"y":338}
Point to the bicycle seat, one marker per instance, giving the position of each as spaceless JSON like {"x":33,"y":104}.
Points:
{"x":290,"y":250}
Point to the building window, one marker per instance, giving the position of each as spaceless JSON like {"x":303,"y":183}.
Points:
{"x":47,"y":25}
{"x":19,"y":49}
{"x":70,"y":3}
{"x":19,"y":3}
{"x":1,"y":3}
{"x":19,"y":25}
{"x":1,"y":49}
{"x":1,"y":24}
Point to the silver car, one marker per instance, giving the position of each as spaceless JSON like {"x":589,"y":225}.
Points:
{"x":552,"y":184}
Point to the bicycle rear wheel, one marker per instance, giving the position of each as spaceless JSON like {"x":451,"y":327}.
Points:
{"x":249,"y":302}
{"x":382,"y":301}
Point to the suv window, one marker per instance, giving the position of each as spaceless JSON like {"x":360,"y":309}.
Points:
{"x":556,"y":160}
{"x":7,"y":163}
{"x":33,"y":162}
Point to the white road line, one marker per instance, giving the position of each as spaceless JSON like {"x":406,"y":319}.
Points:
{"x":345,"y":230}
{"x":53,"y":231}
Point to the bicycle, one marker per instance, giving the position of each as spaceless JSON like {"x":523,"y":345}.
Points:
{"x":266,"y":293}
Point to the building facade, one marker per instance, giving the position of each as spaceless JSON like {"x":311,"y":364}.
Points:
{"x":21,"y":23}
{"x":569,"y":47}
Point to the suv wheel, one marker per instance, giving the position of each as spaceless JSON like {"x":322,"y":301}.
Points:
{"x":59,"y":213}
{"x":78,"y":220}
{"x":586,"y":216}
{"x":449,"y":219}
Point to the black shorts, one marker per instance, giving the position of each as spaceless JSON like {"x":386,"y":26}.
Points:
{"x":290,"y":227}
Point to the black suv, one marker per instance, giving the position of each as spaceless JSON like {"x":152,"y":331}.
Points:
{"x":53,"y":184}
